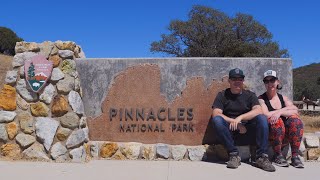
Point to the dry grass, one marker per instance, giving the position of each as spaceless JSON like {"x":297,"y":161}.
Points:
{"x":311,"y":123}
{"x":5,"y":65}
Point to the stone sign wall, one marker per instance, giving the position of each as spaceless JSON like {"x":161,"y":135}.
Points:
{"x":164,"y":100}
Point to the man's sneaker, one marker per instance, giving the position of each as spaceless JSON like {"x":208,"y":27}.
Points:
{"x":296,"y":162}
{"x":279,"y":160}
{"x":234,"y":160}
{"x":264,"y":163}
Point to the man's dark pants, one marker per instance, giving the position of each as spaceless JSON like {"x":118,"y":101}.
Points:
{"x":257,"y":134}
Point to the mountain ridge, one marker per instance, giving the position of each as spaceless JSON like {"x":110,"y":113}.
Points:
{"x":306,"y":82}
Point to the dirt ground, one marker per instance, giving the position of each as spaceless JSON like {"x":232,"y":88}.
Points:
{"x":5,"y":65}
{"x":311,"y":123}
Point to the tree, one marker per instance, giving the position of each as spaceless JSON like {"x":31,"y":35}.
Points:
{"x":8,"y":40}
{"x":211,"y":33}
{"x":31,"y":71}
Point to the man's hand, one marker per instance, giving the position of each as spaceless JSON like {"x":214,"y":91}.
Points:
{"x":234,"y":124}
{"x":274,"y":118}
{"x":242,"y":128}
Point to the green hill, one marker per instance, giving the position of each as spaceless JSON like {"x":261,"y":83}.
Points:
{"x":306,"y":82}
{"x":5,"y":65}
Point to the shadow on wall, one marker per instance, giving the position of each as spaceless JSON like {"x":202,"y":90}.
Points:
{"x":209,"y":135}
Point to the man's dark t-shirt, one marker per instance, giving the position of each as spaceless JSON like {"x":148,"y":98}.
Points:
{"x":233,"y":105}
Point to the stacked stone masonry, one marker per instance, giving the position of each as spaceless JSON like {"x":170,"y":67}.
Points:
{"x":309,"y":150}
{"x":51,"y":125}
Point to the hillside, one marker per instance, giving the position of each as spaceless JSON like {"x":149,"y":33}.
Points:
{"x":306,"y":81}
{"x":5,"y":65}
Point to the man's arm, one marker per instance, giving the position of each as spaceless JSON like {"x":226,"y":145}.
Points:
{"x":218,"y":112}
{"x":255,"y":111}
{"x":218,"y":106}
{"x":233,"y":123}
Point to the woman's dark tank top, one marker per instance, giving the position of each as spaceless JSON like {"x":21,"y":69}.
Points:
{"x":266,"y":100}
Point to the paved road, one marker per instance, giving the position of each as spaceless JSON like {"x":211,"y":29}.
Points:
{"x":149,"y":170}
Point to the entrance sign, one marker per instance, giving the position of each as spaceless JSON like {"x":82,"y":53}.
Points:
{"x":37,"y":72}
{"x":163,"y":100}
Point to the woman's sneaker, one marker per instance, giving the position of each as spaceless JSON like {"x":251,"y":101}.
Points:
{"x":279,"y":160}
{"x":296,"y":162}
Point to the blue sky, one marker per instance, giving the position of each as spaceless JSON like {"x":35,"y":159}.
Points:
{"x":126,"y":28}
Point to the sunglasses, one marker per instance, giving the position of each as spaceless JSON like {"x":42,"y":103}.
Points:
{"x":272,"y":80}
{"x":237,"y":79}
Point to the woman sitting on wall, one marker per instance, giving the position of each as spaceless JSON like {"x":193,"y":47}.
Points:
{"x":283,"y":119}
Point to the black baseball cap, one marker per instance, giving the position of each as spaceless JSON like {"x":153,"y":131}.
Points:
{"x":236,"y":72}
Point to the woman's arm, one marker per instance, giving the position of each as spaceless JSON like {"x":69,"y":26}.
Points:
{"x":287,"y":111}
{"x":290,"y":108}
{"x":265,"y":109}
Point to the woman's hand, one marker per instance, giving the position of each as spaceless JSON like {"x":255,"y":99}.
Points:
{"x":274,"y":118}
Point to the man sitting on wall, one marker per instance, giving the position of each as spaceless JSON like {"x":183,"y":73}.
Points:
{"x":237,"y":117}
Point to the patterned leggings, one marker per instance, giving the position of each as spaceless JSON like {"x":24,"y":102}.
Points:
{"x":290,"y":130}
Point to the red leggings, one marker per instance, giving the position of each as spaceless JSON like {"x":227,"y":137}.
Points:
{"x":290,"y":130}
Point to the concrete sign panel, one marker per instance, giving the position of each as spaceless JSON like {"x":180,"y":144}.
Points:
{"x":37,"y":72}
{"x":163,"y":100}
